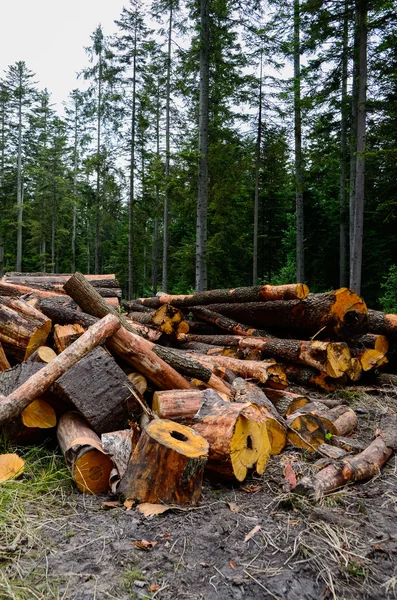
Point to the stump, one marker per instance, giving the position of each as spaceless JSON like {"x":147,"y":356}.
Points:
{"x":167,"y":465}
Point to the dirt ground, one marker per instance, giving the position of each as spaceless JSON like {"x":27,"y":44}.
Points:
{"x":344,"y":548}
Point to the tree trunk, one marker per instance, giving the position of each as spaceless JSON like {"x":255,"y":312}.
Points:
{"x":356,"y":259}
{"x":19,"y":179}
{"x":300,"y":239}
{"x":167,"y":156}
{"x":224,"y":323}
{"x":353,"y":140}
{"x":12,"y":405}
{"x":305,"y":376}
{"x":131,"y":202}
{"x":343,"y":151}
{"x":167,"y":465}
{"x":98,"y":168}
{"x":202,"y":198}
{"x":257,"y":176}
{"x":382,"y":323}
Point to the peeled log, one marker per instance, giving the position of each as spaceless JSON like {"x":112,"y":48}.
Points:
{"x":64,"y":335}
{"x":365,"y":465}
{"x":167,"y":465}
{"x":259,"y":293}
{"x":12,"y":405}
{"x":22,"y":328}
{"x":89,"y":465}
{"x":341,"y":313}
{"x":382,"y":323}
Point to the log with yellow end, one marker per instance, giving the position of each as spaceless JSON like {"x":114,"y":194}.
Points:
{"x":167,"y":318}
{"x":382,"y":323}
{"x":167,"y":465}
{"x":355,"y":369}
{"x":306,"y":376}
{"x":64,"y":335}
{"x":369,"y":358}
{"x":43,"y":354}
{"x":89,"y":465}
{"x":305,"y":431}
{"x":11,"y":465}
{"x":339,"y":420}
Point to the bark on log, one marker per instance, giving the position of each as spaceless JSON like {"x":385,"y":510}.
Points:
{"x":12,"y":405}
{"x":306,"y":376}
{"x":22,"y":328}
{"x":369,"y":359}
{"x":371,"y":341}
{"x":103,"y":280}
{"x":100,"y":391}
{"x":119,"y":445}
{"x":167,"y":465}
{"x":258,"y":293}
{"x":4,"y":364}
{"x":133,"y":306}
{"x":89,"y":465}
{"x":147,"y":332}
{"x":364,"y":465}
{"x":64,"y":335}
{"x":340,"y":420}
{"x":182,"y":406}
{"x":355,"y":370}
{"x":33,"y":425}
{"x":131,"y":348}
{"x":305,"y":431}
{"x":265,"y":371}
{"x":342,"y":313}
{"x":225,"y":323}
{"x":18,"y":290}
{"x":168,"y":319}
{"x":43,"y":354}
{"x":382,"y":324}
{"x":192,"y":368}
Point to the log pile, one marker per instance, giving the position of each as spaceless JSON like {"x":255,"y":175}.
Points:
{"x":181,"y":387}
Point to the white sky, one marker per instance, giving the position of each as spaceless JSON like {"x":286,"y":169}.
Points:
{"x":50,"y":35}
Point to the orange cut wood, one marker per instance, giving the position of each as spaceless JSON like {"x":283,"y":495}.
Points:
{"x":11,"y":465}
{"x":39,"y":414}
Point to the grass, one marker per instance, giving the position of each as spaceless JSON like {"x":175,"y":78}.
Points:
{"x":25,"y":503}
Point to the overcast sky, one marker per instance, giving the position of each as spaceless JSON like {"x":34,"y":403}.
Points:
{"x":50,"y":35}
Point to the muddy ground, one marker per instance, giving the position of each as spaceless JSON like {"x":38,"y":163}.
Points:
{"x":343,"y":548}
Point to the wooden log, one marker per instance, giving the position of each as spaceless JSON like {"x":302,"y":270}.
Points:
{"x":167,"y":465}
{"x":145,"y":318}
{"x":350,"y":445}
{"x":225,"y":323}
{"x":133,"y":349}
{"x":198,"y":347}
{"x":382,"y":324}
{"x":153,"y":335}
{"x":11,"y":465}
{"x":340,"y":420}
{"x":138,"y":381}
{"x":12,"y":405}
{"x":341,"y":313}
{"x":192,"y":368}
{"x":104,"y":280}
{"x":119,"y":445}
{"x":22,"y":328}
{"x":355,"y":370}
{"x":263,"y":371}
{"x":100,"y":391}
{"x":258,"y":293}
{"x":371,"y":341}
{"x":245,"y":391}
{"x":305,"y":431}
{"x":202,"y":328}
{"x":182,"y":406}
{"x":363,"y":466}
{"x":369,"y":359}
{"x":18,"y":290}
{"x":33,"y":425}
{"x":305,"y":376}
{"x":43,"y":354}
{"x":4,"y":364}
{"x":237,"y":437}
{"x":167,"y":318}
{"x":89,"y":465}
{"x":135,"y":307}
{"x":64,"y":335}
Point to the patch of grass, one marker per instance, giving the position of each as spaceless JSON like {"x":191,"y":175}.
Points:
{"x":25,"y":503}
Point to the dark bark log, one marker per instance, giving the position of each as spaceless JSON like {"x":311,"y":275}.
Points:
{"x":43,"y":354}
{"x":225,"y":323}
{"x":310,"y":377}
{"x":182,"y":406}
{"x":382,"y":323}
{"x":64,"y":335}
{"x":259,"y":293}
{"x":13,"y":404}
{"x":340,"y":420}
{"x":371,"y":341}
{"x":369,"y":359}
{"x":167,"y":465}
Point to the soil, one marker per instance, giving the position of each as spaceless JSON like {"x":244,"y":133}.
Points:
{"x":344,"y":548}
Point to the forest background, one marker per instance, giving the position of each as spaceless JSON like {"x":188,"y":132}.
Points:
{"x":218,"y":143}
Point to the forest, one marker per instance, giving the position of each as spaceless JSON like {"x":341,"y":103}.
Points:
{"x":214,"y":144}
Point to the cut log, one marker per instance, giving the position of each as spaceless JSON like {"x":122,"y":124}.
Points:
{"x":138,"y":381}
{"x":11,"y":465}
{"x":371,"y":341}
{"x":287,"y":405}
{"x":13,"y":378}
{"x":100,"y":391}
{"x":167,"y":465}
{"x":12,"y":405}
{"x":119,"y":445}
{"x":350,"y":445}
{"x":244,"y":391}
{"x":167,"y":318}
{"x":258,"y":293}
{"x":43,"y":354}
{"x":342,"y":313}
{"x":18,"y":290}
{"x":225,"y":323}
{"x":306,"y":376}
{"x":132,"y":306}
{"x":340,"y":420}
{"x":332,"y":358}
{"x":104,"y":280}
{"x":89,"y":465}
{"x":153,"y":335}
{"x":382,"y":324}
{"x":332,"y":452}
{"x":4,"y":364}
{"x":64,"y":335}
{"x":192,"y":368}
{"x":369,"y":359}
{"x":22,"y":328}
{"x":182,"y":406}
{"x":355,"y":370}
{"x":364,"y":465}
{"x":145,"y":318}
{"x":305,"y":431}
{"x":263,"y":371}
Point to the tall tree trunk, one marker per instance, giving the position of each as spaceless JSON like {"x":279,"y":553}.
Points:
{"x":132,"y":173}
{"x":167,"y":156}
{"x":257,"y":173}
{"x":343,"y":152}
{"x":98,"y":168}
{"x":19,"y":180}
{"x":74,"y":217}
{"x":300,"y":259}
{"x":353,"y":141}
{"x":202,"y":199}
{"x":157,"y":197}
{"x":356,"y":262}
{"x":2,"y":162}
{"x":53,"y":228}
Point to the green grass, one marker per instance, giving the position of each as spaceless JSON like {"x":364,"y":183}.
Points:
{"x":25,"y":503}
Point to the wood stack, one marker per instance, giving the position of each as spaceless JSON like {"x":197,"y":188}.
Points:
{"x":183,"y":385}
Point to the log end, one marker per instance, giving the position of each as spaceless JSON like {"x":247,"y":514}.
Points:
{"x":338,"y":359}
{"x":39,"y":414}
{"x":11,"y":465}
{"x":92,"y":472}
{"x":250,"y":446}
